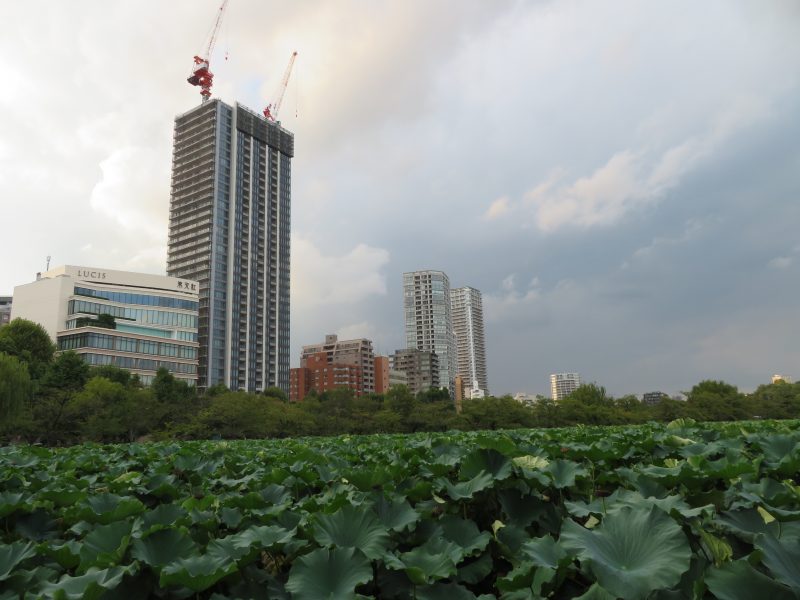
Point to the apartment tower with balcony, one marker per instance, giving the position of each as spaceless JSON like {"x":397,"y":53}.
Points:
{"x":229,"y":220}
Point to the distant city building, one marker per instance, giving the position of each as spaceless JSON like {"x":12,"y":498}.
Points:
{"x":525,"y":399}
{"x":776,"y":378}
{"x":229,"y":220}
{"x":319,"y":374}
{"x":397,"y":378}
{"x":563,"y":384}
{"x":459,"y":389}
{"x":467,"y":315}
{"x":135,"y":321}
{"x":428,"y":320}
{"x":421,"y":368}
{"x":356,"y":352}
{"x":653,"y":398}
{"x":382,"y":374}
{"x":5,"y":310}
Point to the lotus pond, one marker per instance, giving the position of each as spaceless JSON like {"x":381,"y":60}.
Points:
{"x":656,"y":511}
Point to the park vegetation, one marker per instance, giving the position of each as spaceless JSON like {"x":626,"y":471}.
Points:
{"x":57,"y":399}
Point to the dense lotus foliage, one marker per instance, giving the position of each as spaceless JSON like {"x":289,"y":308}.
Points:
{"x":653,"y":511}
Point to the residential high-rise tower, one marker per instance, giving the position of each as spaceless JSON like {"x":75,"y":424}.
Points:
{"x":229,"y":224}
{"x":563,"y":384}
{"x":429,"y":324}
{"x":467,"y":311}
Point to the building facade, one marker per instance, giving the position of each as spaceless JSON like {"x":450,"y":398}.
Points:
{"x":563,"y":384}
{"x":653,"y":398}
{"x":5,"y":310}
{"x":356,"y":352}
{"x":229,"y":222}
{"x":467,"y":314}
{"x":135,"y":321}
{"x":420,"y":367}
{"x":317,"y":374}
{"x":382,"y":374}
{"x":428,"y":320}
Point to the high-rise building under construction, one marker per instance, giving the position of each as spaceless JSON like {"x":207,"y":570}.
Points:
{"x":229,"y":225}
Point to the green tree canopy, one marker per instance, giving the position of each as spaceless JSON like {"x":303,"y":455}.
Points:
{"x":29,"y":342}
{"x":68,"y":372}
{"x":15,"y":388}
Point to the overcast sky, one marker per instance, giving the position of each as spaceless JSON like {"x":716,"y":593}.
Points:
{"x":620,"y":179}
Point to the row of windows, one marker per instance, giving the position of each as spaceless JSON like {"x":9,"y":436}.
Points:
{"x":125,"y":344}
{"x":153,"y":317}
{"x":140,"y":364}
{"x":142,"y":299}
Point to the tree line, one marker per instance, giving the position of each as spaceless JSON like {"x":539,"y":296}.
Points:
{"x":58,"y":399}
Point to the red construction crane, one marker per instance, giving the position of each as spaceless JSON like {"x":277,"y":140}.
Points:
{"x":271,"y":112}
{"x":201,"y":76}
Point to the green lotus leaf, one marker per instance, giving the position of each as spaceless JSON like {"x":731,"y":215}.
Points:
{"x":477,"y":570}
{"x":67,"y":554}
{"x":465,"y":534}
{"x":11,"y":502}
{"x":595,"y":592}
{"x":443,"y":591}
{"x":746,"y":524}
{"x":719,"y":549}
{"x":63,"y":497}
{"x":89,"y":586}
{"x":106,"y":508}
{"x":782,"y":557}
{"x":423,"y":564}
{"x":328,"y":574}
{"x":738,"y":580}
{"x":633,"y":552}
{"x":491,"y":461}
{"x":521,"y":509}
{"x":164,"y":516}
{"x":197,"y":573}
{"x":396,"y":514}
{"x":13,"y":554}
{"x":467,"y":489}
{"x":231,"y":517}
{"x":543,"y":552}
{"x":352,"y":527}
{"x":249,"y":542}
{"x":105,"y":546}
{"x":163,"y":547}
{"x":564,"y":472}
{"x":37,"y":525}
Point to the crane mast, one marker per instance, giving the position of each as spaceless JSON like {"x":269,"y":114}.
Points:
{"x":201,"y":75}
{"x":272,"y":109}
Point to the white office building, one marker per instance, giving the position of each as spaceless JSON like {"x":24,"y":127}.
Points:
{"x":467,"y":313}
{"x":136,"y":321}
{"x":563,"y":384}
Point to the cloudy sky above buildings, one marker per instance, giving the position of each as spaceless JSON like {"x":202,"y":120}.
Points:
{"x":620,"y":179}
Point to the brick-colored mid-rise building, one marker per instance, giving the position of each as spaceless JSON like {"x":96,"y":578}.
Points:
{"x":382,"y":374}
{"x":356,"y":352}
{"x":317,"y":374}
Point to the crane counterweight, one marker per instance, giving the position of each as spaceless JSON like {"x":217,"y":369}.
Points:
{"x":201,"y":74}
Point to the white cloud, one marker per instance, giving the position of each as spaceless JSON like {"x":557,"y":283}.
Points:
{"x":497,"y":208}
{"x":632,"y":179}
{"x":500,"y":304}
{"x":133,"y":188}
{"x":319,"y":280}
{"x":780,"y":262}
{"x":354,"y":331}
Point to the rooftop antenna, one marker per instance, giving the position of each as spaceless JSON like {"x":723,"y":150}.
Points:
{"x":48,"y":263}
